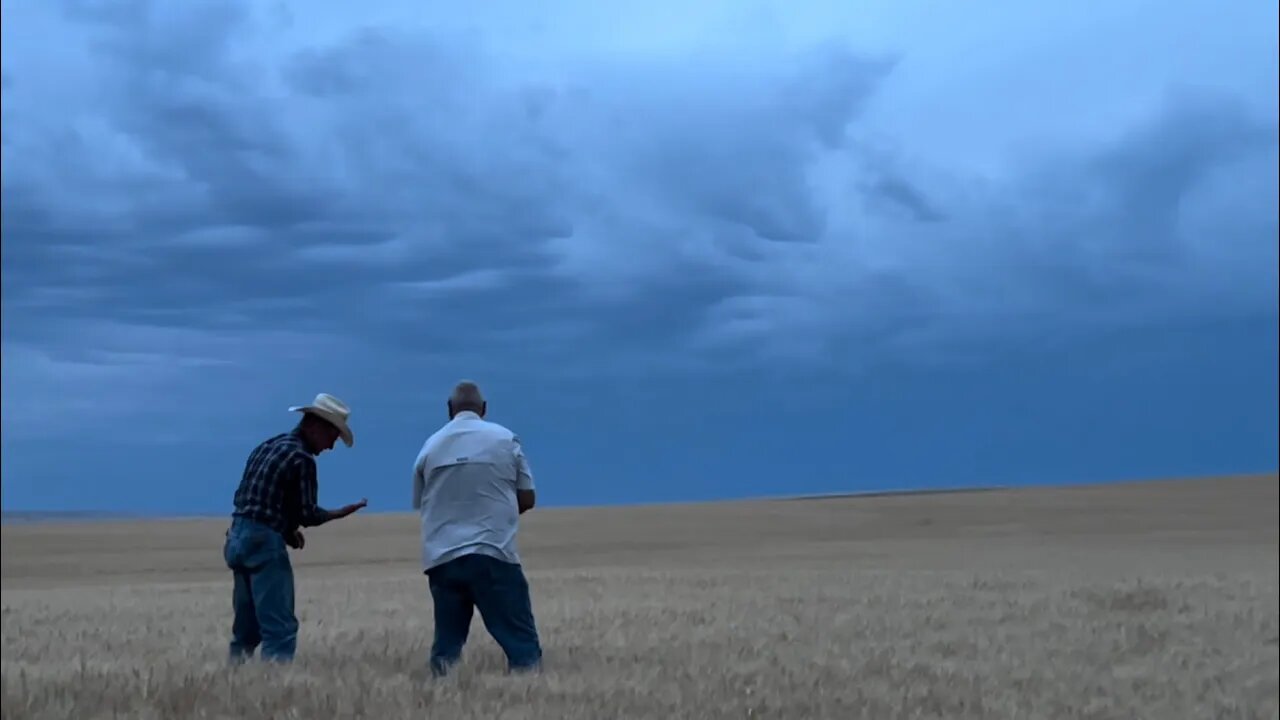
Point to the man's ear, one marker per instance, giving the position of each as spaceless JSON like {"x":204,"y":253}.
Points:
{"x":484,"y":408}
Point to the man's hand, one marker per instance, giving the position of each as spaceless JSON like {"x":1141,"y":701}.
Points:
{"x":295,"y":540}
{"x":349,"y":509}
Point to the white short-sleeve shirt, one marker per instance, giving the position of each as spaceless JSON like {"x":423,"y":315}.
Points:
{"x":464,"y":488}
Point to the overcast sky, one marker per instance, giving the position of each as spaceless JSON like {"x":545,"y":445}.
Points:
{"x":732,"y":250}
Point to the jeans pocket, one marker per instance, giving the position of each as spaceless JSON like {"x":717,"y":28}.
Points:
{"x":250,"y":548}
{"x":261,"y":548}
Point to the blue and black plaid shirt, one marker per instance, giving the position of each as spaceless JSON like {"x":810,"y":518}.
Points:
{"x":279,"y":487}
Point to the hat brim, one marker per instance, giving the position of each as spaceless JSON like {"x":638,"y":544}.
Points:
{"x":344,"y":431}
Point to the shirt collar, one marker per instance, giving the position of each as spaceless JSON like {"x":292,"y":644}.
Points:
{"x":467,"y":414}
{"x":296,"y":434}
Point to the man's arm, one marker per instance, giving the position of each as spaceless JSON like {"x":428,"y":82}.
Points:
{"x":526,"y":497}
{"x":419,"y":483}
{"x":525,"y":500}
{"x":310,"y":513}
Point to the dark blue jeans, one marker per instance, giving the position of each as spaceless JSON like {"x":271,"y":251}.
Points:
{"x":263,"y":595}
{"x":500,"y":592}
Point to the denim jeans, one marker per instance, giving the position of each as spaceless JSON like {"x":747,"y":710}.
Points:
{"x":262,"y":598}
{"x":500,"y":592}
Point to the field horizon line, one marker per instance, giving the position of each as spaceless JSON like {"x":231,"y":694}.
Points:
{"x":26,"y":517}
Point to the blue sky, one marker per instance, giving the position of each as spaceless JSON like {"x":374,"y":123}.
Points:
{"x":742,"y":249}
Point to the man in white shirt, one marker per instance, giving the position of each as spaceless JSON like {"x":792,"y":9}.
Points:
{"x":471,"y":482}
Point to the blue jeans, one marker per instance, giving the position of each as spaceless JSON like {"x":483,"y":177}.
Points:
{"x":500,"y":592}
{"x":263,"y":595}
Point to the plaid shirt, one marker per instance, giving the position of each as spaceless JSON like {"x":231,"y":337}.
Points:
{"x":279,"y":487}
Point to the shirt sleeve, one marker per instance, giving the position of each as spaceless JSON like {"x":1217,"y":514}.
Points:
{"x":524,"y":475}
{"x":310,"y":513}
{"x":418,"y":482}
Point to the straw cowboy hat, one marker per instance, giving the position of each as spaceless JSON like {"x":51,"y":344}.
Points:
{"x":331,"y":409}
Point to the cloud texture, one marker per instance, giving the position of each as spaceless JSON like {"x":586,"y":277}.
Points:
{"x":211,"y":205}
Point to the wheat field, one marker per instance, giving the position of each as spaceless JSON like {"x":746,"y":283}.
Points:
{"x":1142,"y":600}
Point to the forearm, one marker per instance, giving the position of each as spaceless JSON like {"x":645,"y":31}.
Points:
{"x":316,"y":516}
{"x":310,"y":514}
{"x":525,"y":500}
{"x":525,"y":494}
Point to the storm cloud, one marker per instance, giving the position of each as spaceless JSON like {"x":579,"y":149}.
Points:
{"x":205,"y":201}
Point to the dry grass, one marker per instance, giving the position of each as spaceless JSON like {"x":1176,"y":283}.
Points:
{"x":1141,"y":601}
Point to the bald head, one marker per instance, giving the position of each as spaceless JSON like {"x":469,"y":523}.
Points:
{"x":466,"y":395}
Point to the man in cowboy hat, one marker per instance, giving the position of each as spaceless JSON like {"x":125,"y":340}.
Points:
{"x":471,"y":482}
{"x":278,"y":496}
